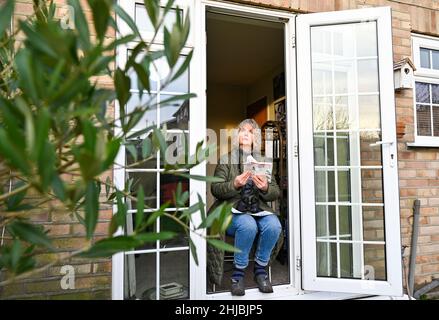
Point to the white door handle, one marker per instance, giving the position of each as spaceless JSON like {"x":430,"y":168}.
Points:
{"x":392,"y":156}
{"x":380,"y":143}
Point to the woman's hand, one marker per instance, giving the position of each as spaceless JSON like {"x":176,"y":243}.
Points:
{"x":261,"y":182}
{"x":241,"y":179}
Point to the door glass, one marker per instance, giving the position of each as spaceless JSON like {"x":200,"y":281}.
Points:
{"x":163,"y":264}
{"x":349,"y":203}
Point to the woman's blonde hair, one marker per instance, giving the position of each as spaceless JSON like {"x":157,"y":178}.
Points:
{"x":257,"y":137}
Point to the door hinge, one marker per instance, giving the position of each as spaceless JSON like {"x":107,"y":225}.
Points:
{"x":296,"y":150}
{"x":293,"y":41}
{"x":298,"y":263}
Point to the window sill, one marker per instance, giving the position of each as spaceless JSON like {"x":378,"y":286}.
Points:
{"x":423,"y":144}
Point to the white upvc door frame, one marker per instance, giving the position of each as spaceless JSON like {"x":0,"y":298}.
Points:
{"x":393,"y":285}
{"x":199,"y":107}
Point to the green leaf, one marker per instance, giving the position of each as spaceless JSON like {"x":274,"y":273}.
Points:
{"x":146,"y":148}
{"x":143,"y":75}
{"x":132,"y":150}
{"x":58,"y":187}
{"x":198,"y":177}
{"x":29,"y":232}
{"x":153,"y":9}
{"x":107,"y":186}
{"x":101,"y":16}
{"x":128,"y":20}
{"x":16,"y":251}
{"x":222,"y":245}
{"x":6,"y":12}
{"x":81,"y":24}
{"x":122,"y":83}
{"x":91,"y":208}
{"x":111,"y":151}
{"x":42,"y":126}
{"x":183,"y":67}
{"x":193,"y":250}
{"x":110,"y":246}
{"x":154,"y":236}
{"x":140,"y":207}
{"x":16,"y":157}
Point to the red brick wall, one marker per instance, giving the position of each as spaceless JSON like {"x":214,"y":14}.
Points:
{"x":92,"y":277}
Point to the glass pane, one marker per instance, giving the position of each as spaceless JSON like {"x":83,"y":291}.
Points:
{"x":422,"y":92}
{"x":140,"y":276}
{"x":144,"y":24}
{"x":168,"y":224}
{"x":344,"y":77}
{"x":322,"y":78}
{"x":436,"y":121}
{"x":435,"y":59}
{"x":368,"y":75}
{"x":369,"y":112}
{"x":370,"y":155}
{"x":375,"y":261}
{"x":341,"y":228}
{"x":344,"y":185}
{"x":324,"y":149}
{"x":343,"y":149}
{"x":181,"y":84}
{"x":324,"y":186}
{"x":130,"y":228}
{"x":326,"y":259}
{"x":346,"y":260}
{"x":322,"y":113}
{"x":372,"y":186}
{"x":325,"y":222}
{"x":345,"y":222}
{"x":177,"y":150}
{"x":145,"y":109}
{"x":435,"y":93}
{"x":148,"y":180}
{"x":423,"y":119}
{"x":133,"y":75}
{"x":174,"y":275}
{"x":344,"y":105}
{"x":141,"y":147}
{"x":168,"y":186}
{"x":425,"y":58}
{"x":367,"y":32}
{"x":373,"y":223}
{"x":175,"y":114}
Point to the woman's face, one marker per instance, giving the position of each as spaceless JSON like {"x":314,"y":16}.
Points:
{"x":246,"y":136}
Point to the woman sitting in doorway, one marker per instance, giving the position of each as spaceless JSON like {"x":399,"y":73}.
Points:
{"x":248,"y":195}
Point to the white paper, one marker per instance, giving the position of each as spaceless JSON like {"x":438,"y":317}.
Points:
{"x":258,"y":168}
{"x":256,"y":214}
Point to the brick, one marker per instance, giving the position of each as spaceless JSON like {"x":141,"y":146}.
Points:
{"x":429,"y":230}
{"x":58,"y":229}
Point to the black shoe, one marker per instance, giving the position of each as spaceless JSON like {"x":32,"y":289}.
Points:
{"x":238,"y":287}
{"x":264,"y":283}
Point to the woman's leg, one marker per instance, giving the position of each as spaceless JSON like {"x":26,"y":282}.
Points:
{"x":269,"y":231}
{"x":244,"y":229}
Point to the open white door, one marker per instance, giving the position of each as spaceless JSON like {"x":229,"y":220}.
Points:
{"x":347,"y":150}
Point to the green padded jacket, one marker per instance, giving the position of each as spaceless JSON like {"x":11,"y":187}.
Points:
{"x":228,"y":169}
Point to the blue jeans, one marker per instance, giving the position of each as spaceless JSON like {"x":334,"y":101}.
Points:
{"x":244,"y":228}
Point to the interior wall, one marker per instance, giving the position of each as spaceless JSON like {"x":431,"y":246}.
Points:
{"x":225,"y":109}
{"x":264,"y":87}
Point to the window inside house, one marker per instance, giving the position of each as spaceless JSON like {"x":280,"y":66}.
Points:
{"x":426,"y":93}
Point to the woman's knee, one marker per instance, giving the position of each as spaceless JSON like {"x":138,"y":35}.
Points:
{"x":246,"y":223}
{"x":272,"y":225}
